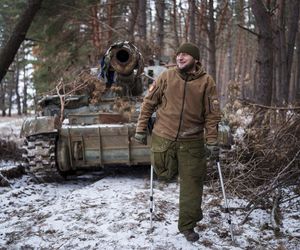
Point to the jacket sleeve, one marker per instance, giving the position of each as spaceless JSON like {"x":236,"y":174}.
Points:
{"x":150,"y":102}
{"x":212,"y":113}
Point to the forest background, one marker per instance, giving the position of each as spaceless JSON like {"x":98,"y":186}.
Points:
{"x":251,"y":47}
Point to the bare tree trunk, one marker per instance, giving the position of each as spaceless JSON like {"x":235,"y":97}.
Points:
{"x":160,"y":17}
{"x":96,"y":30}
{"x":263,"y":90}
{"x":10,"y":49}
{"x":294,"y":8}
{"x":110,"y":21}
{"x":212,"y":40}
{"x":192,"y":29}
{"x":18,"y":99}
{"x":292,"y":90}
{"x":240,"y":41}
{"x":230,"y":64}
{"x":150,"y":21}
{"x":221,"y":72}
{"x":203,"y":31}
{"x":280,"y":56}
{"x":141,"y":41}
{"x":180,"y":16}
{"x":134,"y":7}
{"x":277,"y":68}
{"x":175,"y":25}
{"x":10,"y":92}
{"x":142,"y":20}
{"x":285,"y":38}
{"x":25,"y":106}
{"x":244,"y":77}
{"x":2,"y":97}
{"x":247,"y":92}
{"x":276,"y":72}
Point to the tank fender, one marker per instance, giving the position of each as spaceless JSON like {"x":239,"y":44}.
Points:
{"x":39,"y":125}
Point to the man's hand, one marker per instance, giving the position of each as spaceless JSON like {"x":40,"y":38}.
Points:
{"x":141,"y":137}
{"x":213,"y":151}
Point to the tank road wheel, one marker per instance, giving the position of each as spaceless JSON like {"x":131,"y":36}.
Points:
{"x":39,"y":156}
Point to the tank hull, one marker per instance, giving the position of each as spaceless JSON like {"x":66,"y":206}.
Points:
{"x":99,"y":145}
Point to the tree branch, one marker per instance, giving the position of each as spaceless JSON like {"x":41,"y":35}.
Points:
{"x":251,"y":31}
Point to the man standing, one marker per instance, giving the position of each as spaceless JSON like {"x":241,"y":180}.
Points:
{"x":186,"y":104}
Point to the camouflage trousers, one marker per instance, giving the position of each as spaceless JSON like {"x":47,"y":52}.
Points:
{"x":188,"y":159}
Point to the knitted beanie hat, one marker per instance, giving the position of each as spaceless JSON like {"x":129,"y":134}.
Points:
{"x":190,"y":49}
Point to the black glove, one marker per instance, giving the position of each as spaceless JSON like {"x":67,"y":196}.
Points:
{"x":213,"y":151}
{"x":141,"y":137}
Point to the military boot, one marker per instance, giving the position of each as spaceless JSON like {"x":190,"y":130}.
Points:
{"x":190,"y":235}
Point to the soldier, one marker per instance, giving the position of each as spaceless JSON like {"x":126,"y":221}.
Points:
{"x":186,"y":104}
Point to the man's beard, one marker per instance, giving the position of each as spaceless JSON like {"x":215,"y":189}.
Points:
{"x":187,"y":68}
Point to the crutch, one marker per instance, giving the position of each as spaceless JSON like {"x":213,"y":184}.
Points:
{"x":151,"y":196}
{"x":225,"y":200}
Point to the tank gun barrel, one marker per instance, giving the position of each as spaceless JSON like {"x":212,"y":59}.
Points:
{"x":123,"y":65}
{"x":123,"y":60}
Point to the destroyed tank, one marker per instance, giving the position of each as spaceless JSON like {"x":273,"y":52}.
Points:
{"x":82,"y":135}
{"x":74,"y":133}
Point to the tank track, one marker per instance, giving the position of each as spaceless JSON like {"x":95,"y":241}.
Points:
{"x":39,"y":157}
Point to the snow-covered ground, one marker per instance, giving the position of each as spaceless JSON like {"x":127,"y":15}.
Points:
{"x":92,"y":211}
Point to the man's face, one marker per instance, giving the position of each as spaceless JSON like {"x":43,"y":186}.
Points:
{"x":185,"y":62}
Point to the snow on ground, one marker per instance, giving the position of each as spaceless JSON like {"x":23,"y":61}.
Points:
{"x":92,"y":211}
